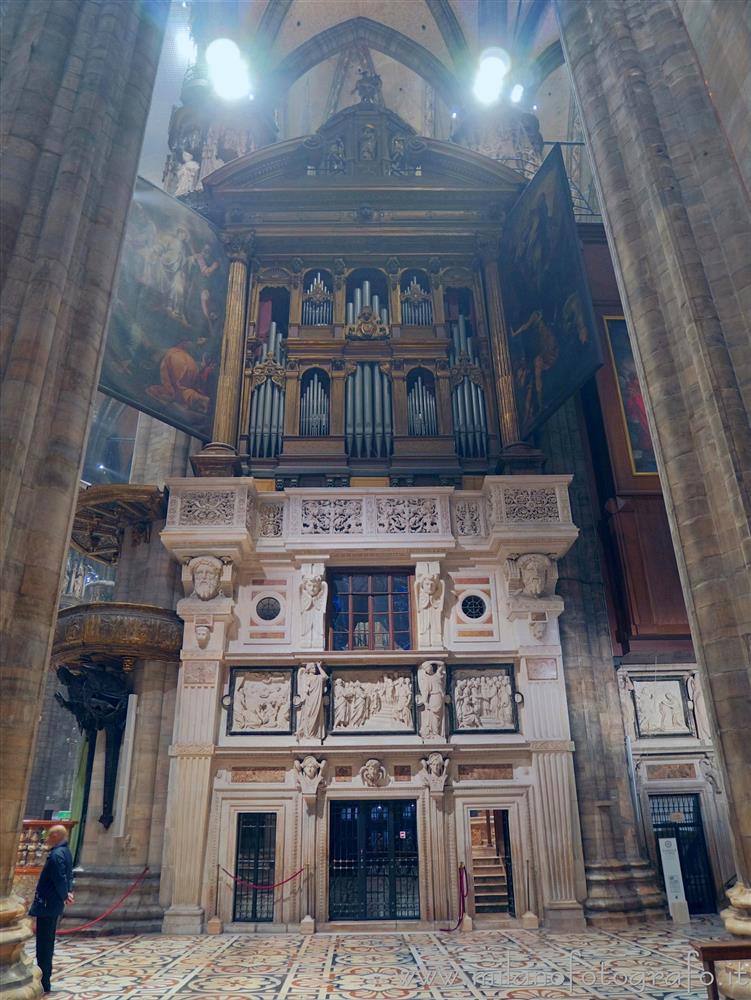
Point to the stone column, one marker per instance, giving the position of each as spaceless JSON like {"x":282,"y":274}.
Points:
{"x":77,"y":81}
{"x":620,"y":880}
{"x":678,"y":219}
{"x":219,"y":457}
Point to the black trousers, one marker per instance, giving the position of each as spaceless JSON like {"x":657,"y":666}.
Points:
{"x":46,"y":927}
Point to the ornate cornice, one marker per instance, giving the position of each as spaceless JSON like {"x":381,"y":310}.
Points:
{"x":116,"y":629}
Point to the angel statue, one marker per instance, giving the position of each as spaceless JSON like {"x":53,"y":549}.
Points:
{"x":430,"y":591}
{"x":431,"y":681}
{"x":313,"y":592}
{"x":311,"y":682}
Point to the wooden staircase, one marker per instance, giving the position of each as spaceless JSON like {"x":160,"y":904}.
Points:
{"x":489,"y":880}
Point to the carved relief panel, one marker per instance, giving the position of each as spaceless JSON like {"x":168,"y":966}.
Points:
{"x":372,"y":701}
{"x":660,"y":707}
{"x":483,"y":699}
{"x":259,"y":701}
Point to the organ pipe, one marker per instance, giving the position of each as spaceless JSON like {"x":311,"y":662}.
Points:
{"x":467,"y":397}
{"x":267,"y":401}
{"x":314,"y":408}
{"x":421,"y":410}
{"x":318,"y":303}
{"x":362,"y":297}
{"x":367,"y":418}
{"x":417,"y":305}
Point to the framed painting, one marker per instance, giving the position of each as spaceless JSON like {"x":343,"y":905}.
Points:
{"x":625,"y":414}
{"x":552,"y":336}
{"x":164,"y":337}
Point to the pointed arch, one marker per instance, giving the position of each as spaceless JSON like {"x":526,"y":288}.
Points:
{"x":362,"y":30}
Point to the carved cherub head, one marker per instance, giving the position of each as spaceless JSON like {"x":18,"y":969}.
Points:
{"x":372,"y":772}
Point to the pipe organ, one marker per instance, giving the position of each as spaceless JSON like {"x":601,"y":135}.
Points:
{"x":384,"y":356}
{"x":467,"y":397}
{"x":267,"y":401}
{"x":367,"y":417}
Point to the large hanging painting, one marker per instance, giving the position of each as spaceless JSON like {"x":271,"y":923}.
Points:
{"x":165,"y":333}
{"x":552,"y":338}
{"x":634,"y":412}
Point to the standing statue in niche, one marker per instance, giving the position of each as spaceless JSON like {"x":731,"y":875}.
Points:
{"x":431,"y":680}
{"x":335,"y":159}
{"x":187,"y":175}
{"x":368,"y":87}
{"x":311,"y":683}
{"x":313,"y":593}
{"x":368,"y":142}
{"x":430,"y":593}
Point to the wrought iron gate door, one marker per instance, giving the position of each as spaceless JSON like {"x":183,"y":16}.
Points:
{"x":373,"y":867}
{"x":255,"y":862}
{"x":679,"y":816}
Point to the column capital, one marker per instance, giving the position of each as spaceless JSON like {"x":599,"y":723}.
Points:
{"x":239,"y":246}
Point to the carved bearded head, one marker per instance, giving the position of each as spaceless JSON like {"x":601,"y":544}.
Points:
{"x":372,"y":772}
{"x":533,"y":569}
{"x":206,"y":572}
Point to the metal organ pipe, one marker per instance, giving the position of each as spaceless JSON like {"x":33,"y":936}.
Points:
{"x":467,"y":397}
{"x":362,"y":297}
{"x":267,"y":404}
{"x":367,"y":420}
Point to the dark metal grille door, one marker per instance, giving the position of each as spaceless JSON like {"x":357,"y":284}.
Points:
{"x":255,"y":862}
{"x":679,"y":816}
{"x":373,"y":861}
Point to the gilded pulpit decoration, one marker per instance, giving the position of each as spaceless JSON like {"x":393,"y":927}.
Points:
{"x":367,"y":326}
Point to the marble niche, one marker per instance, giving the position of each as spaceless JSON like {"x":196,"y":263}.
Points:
{"x":260,"y":701}
{"x":482,"y":698}
{"x":372,"y":701}
{"x":660,"y":706}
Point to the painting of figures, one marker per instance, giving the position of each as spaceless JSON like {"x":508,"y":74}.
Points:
{"x":165,"y":332}
{"x":641,"y":449}
{"x":552,"y":338}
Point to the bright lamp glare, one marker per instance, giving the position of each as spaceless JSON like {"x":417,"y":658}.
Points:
{"x":222,"y":50}
{"x":227,"y":71}
{"x":494,"y":65}
{"x":517,"y":92}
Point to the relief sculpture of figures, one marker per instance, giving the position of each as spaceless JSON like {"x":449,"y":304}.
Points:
{"x":483,"y":700}
{"x":313,"y":593}
{"x":261,"y":702}
{"x":659,"y":707}
{"x":311,"y":683}
{"x":381,"y":704}
{"x":430,"y":593}
{"x":431,"y":680}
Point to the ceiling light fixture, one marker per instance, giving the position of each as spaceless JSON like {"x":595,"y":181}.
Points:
{"x":517,"y":92}
{"x":227,"y":70}
{"x":493,"y":67}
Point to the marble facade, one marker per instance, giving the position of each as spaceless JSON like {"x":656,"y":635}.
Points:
{"x":474,"y":716}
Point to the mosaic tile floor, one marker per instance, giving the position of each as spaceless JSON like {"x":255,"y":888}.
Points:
{"x":652,"y":962}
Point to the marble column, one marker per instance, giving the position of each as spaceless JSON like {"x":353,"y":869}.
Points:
{"x":621,"y":883}
{"x":77,"y":81}
{"x":678,"y":219}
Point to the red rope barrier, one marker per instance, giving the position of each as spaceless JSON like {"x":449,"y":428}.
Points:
{"x":252,"y":885}
{"x":463,"y":892}
{"x":128,"y":892}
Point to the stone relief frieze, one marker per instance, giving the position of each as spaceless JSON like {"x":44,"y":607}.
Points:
{"x":207,"y":507}
{"x":372,"y":701}
{"x":467,"y":520}
{"x":407,"y":515}
{"x":483,"y":698}
{"x":332,"y":517}
{"x":270,"y":520}
{"x":260,"y":701}
{"x":525,"y":505}
{"x":660,"y":708}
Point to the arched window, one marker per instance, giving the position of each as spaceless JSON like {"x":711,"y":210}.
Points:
{"x":317,"y":299}
{"x":367,"y":287}
{"x":421,"y":409}
{"x":368,"y":426}
{"x":314,"y":403}
{"x":416,"y":299}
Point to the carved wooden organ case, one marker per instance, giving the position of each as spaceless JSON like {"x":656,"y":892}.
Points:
{"x":369,"y":324}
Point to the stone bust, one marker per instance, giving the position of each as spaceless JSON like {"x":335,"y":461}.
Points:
{"x":534,"y":570}
{"x":373,"y":773}
{"x":206,"y":572}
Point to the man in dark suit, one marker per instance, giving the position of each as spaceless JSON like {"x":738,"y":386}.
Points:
{"x":54,"y":889}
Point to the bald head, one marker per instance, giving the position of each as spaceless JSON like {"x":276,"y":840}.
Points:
{"x":56,"y":835}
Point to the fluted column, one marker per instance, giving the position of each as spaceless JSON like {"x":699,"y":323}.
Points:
{"x":219,"y":458}
{"x":678,"y":218}
{"x":81,"y":71}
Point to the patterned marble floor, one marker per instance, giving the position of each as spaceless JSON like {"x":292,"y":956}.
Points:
{"x":651,"y":962}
